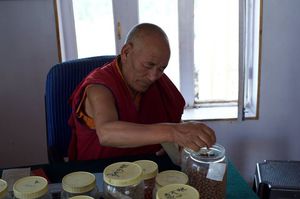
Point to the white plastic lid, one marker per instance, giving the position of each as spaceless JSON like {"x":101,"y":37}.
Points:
{"x":30,"y":187}
{"x":171,"y":177}
{"x":3,"y":188}
{"x":150,"y":168}
{"x":181,"y":191}
{"x":122,"y":174}
{"x":79,"y":182}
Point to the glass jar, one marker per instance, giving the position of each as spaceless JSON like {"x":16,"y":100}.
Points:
{"x":181,"y":191}
{"x":169,"y":177}
{"x":123,"y":180}
{"x":4,"y":190}
{"x":207,"y":171}
{"x":150,"y":170}
{"x":79,"y":183}
{"x":31,"y":187}
{"x":185,"y":153}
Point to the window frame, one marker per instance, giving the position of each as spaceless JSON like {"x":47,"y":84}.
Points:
{"x":246,"y":108}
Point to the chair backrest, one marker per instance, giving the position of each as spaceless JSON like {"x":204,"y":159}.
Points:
{"x":61,"y":81}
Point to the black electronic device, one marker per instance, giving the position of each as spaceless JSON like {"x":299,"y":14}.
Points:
{"x":277,"y":179}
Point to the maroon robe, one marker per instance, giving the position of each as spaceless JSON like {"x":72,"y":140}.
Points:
{"x":162,"y":102}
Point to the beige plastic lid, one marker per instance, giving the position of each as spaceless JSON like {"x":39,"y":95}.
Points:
{"x":30,"y":187}
{"x":171,"y":177}
{"x":79,"y":182}
{"x":3,"y":188}
{"x":122,"y":174}
{"x":81,"y":197}
{"x":150,"y":168}
{"x":182,"y":191}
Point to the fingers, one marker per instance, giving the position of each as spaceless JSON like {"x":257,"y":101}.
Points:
{"x":195,"y":135}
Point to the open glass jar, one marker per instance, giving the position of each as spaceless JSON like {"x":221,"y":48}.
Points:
{"x":207,"y":171}
{"x":185,"y":154}
{"x":123,"y":180}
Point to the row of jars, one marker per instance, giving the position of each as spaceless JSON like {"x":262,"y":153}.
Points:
{"x":203,"y":173}
{"x":77,"y":185}
{"x":122,"y":180}
{"x":140,"y":179}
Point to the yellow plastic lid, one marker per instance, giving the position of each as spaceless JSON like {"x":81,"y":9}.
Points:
{"x":171,"y":177}
{"x":81,"y":197}
{"x":30,"y":187}
{"x":182,"y":191}
{"x":122,"y":174}
{"x":79,"y":182}
{"x":3,"y":188}
{"x":150,"y":168}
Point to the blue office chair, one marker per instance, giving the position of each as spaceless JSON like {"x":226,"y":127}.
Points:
{"x":61,"y":81}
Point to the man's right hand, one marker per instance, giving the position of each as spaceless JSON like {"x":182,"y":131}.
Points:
{"x":193,"y":135}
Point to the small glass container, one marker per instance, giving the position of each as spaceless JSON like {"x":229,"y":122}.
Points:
{"x":207,"y":172}
{"x":4,"y":190}
{"x":123,"y":180}
{"x":181,"y":191}
{"x":31,"y":187}
{"x":169,"y":177}
{"x":79,"y":183}
{"x":185,"y":153}
{"x":150,"y":170}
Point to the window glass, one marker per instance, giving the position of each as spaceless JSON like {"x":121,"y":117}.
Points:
{"x":94,"y":27}
{"x":164,"y":14}
{"x":216,"y":44}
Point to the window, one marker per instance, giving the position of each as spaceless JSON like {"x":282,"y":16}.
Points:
{"x":215,"y":47}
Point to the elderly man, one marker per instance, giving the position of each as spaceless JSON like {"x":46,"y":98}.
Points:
{"x":129,"y":106}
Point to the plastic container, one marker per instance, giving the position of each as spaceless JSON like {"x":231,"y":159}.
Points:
{"x":4,"y":190}
{"x":150,"y":170}
{"x":31,"y":187}
{"x":185,"y":153}
{"x":79,"y":183}
{"x":169,"y":177}
{"x":181,"y":191}
{"x":207,"y":171}
{"x":123,"y":180}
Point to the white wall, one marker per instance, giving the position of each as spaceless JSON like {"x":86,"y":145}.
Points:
{"x":28,"y":49}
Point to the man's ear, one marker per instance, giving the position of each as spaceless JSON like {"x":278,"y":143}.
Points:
{"x":125,"y":51}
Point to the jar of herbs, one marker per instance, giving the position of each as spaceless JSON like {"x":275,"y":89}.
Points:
{"x":207,"y":171}
{"x":150,"y":170}
{"x":31,"y":187}
{"x":4,"y":190}
{"x":181,"y":191}
{"x":169,"y":177}
{"x":123,"y":180}
{"x":79,"y":183}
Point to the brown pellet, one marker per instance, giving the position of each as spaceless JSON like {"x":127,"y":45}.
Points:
{"x":208,"y":189}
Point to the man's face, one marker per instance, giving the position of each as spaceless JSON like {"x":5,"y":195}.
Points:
{"x":145,"y":64}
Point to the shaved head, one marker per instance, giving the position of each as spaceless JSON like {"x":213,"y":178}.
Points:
{"x":143,"y":31}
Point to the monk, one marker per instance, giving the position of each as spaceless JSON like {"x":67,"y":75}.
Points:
{"x":129,"y":106}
